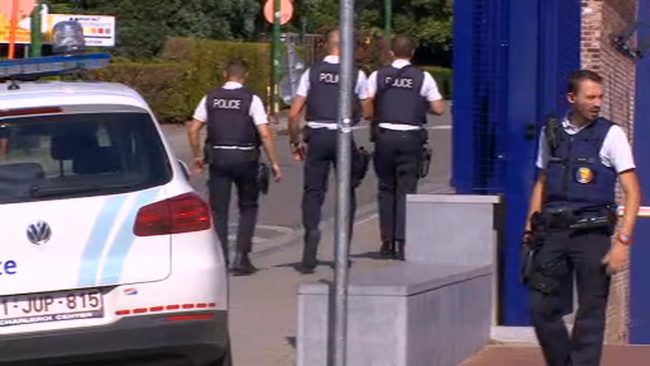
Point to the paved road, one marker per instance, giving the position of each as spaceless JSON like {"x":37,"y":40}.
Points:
{"x":280,"y":215}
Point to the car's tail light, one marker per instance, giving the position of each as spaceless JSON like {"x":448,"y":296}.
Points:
{"x":29,"y":111}
{"x":190,"y":317}
{"x":180,"y":214}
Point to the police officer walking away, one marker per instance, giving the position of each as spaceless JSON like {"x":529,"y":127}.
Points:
{"x":237,"y":125}
{"x":318,"y":92}
{"x":402,"y":96}
{"x":572,"y":219}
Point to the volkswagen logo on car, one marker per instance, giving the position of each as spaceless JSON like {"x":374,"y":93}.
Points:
{"x":39,"y":232}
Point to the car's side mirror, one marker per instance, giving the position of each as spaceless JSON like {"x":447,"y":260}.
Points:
{"x":185,"y":169}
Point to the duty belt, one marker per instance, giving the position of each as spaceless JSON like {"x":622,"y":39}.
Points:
{"x":234,"y":147}
{"x":600,"y":217}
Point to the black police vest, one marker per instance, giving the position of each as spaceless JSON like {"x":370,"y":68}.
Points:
{"x":398,"y":96}
{"x":323,"y":94}
{"x":229,"y":122}
{"x":575,"y":177}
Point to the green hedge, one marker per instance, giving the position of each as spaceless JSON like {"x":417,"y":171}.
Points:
{"x":174,"y":84}
{"x":205,"y":60}
{"x":163,"y":85}
{"x":443,"y":77}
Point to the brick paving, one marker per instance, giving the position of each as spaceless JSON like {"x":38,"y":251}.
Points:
{"x":520,"y":355}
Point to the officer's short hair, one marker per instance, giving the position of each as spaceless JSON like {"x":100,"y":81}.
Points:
{"x":332,"y":39}
{"x":581,"y":75}
{"x":402,"y":46}
{"x":236,"y":68}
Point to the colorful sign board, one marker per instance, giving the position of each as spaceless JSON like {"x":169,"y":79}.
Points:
{"x":99,"y":30}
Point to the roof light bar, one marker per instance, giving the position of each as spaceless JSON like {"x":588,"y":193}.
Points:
{"x":29,"y":68}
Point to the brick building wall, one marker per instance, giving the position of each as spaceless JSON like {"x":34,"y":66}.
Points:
{"x":601,"y":19}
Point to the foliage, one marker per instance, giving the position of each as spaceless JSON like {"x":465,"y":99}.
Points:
{"x":205,"y":59}
{"x":175,"y":84}
{"x":144,"y":25}
{"x":163,"y":85}
{"x":443,"y":77}
{"x":428,"y":21}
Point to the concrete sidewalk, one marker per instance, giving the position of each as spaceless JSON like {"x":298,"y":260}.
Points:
{"x":263,"y":306}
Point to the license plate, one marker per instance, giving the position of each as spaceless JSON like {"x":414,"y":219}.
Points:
{"x":50,"y":307}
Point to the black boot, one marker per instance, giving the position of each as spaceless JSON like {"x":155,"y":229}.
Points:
{"x":387,"y":249}
{"x":401,"y":255}
{"x":242,"y":265}
{"x":309,"y":252}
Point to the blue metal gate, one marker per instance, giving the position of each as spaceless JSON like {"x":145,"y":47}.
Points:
{"x":511,"y":61}
{"x":639,"y":285}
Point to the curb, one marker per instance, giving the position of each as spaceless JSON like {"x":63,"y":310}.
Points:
{"x":364,"y":213}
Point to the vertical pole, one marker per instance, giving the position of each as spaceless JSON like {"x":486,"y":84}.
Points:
{"x":303,"y":28}
{"x":12,"y":29}
{"x":37,"y":36}
{"x":344,"y":156}
{"x":276,"y":57}
{"x":388,"y":19}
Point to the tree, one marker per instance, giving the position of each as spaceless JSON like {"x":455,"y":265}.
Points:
{"x":143,"y":25}
{"x":427,"y":21}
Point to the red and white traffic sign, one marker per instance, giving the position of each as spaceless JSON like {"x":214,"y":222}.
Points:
{"x":286,"y":11}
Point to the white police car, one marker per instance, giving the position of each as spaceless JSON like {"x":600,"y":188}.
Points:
{"x":106,"y":252}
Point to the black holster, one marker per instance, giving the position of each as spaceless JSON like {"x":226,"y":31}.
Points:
{"x":425,"y":161}
{"x":425,"y":155}
{"x":360,"y":165}
{"x":541,"y":274}
{"x":530,"y":248}
{"x":526,"y":259}
{"x":207,"y":151}
{"x":263,"y":178}
{"x":374,"y":130}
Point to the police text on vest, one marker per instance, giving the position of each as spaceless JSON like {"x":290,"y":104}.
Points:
{"x":328,"y":78}
{"x":406,"y":83}
{"x":226,"y":103}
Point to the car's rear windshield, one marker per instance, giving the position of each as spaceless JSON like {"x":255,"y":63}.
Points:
{"x":75,"y":155}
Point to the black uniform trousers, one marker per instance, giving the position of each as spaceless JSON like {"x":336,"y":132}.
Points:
{"x":396,"y":161}
{"x":238,"y":167}
{"x":562,"y":254}
{"x":321,"y":155}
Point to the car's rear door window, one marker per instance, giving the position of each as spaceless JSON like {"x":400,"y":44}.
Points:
{"x":79,"y":154}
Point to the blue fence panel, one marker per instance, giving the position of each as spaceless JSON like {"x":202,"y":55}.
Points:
{"x":509,"y":73}
{"x":640,"y":256}
{"x":479,"y":102}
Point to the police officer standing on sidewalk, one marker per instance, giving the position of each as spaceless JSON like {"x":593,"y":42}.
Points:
{"x":318,"y":91}
{"x":402,"y":96}
{"x":237,"y":124}
{"x":572,"y":219}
